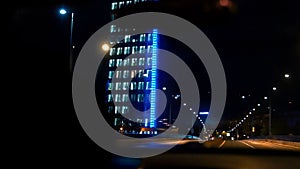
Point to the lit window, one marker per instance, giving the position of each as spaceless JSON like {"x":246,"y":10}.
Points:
{"x":141,"y":86}
{"x":125,"y":85}
{"x":119,"y":51}
{"x":124,"y":109}
{"x":126,"y":62}
{"x":112,"y":51}
{"x":149,"y":61}
{"x":119,"y":62}
{"x":111,"y":63}
{"x":118,"y":85}
{"x":110,"y":98}
{"x":113,"y":28}
{"x":116,"y":121}
{"x":125,"y":98}
{"x":149,"y":37}
{"x":121,"y":4}
{"x":142,"y":37}
{"x":117,"y":109}
{"x":126,"y":50}
{"x":148,"y":86}
{"x":142,"y":49}
{"x":134,"y":62}
{"x":118,"y":74}
{"x":110,"y":109}
{"x":128,"y":2}
{"x":113,"y":17}
{"x":141,"y":61}
{"x":127,"y":38}
{"x":140,"y":98}
{"x":147,"y":73}
{"x":110,"y":74}
{"x":109,"y":86}
{"x":149,"y":49}
{"x":132,"y":85}
{"x":133,"y":97}
{"x":133,"y":73}
{"x":125,"y":74}
{"x":114,"y":5}
{"x":141,"y":73}
{"x":118,"y":98}
{"x":134,"y":49}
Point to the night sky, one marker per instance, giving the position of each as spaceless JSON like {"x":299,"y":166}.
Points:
{"x":258,"y":42}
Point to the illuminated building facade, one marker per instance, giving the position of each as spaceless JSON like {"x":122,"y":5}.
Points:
{"x":138,"y":75}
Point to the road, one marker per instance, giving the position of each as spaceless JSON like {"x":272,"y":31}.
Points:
{"x":260,"y":144}
{"x":218,"y":154}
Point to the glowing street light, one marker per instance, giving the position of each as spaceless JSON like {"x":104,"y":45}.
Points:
{"x":62,"y":11}
{"x":287,"y":75}
{"x":105,"y":47}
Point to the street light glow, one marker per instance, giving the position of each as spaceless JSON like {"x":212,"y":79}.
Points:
{"x":274,"y":88}
{"x":203,"y":113}
{"x":62,"y":11}
{"x":105,"y":47}
{"x":287,"y":75}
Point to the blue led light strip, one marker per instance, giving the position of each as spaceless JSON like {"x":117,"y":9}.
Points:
{"x":153,"y":79}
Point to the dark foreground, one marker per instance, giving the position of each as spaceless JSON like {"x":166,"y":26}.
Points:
{"x":218,"y":154}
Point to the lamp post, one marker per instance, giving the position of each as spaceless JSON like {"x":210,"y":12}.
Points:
{"x":63,"y":12}
{"x":270,"y":110}
{"x":170,"y":104}
{"x":286,"y":76}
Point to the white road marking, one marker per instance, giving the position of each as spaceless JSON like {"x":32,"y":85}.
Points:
{"x":222,"y":144}
{"x":247,"y":144}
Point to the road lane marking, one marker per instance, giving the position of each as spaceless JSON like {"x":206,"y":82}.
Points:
{"x":247,"y":144}
{"x":222,"y":144}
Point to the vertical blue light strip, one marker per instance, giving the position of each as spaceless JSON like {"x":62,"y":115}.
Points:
{"x":153,"y":79}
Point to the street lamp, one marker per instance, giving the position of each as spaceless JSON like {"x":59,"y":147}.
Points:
{"x":63,"y":12}
{"x":105,"y":47}
{"x":170,"y":103}
{"x":270,"y":111}
{"x":287,"y":75}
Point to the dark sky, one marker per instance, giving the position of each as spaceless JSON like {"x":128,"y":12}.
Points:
{"x":257,"y":44}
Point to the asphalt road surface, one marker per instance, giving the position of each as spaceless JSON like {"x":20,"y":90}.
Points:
{"x":218,"y":154}
{"x":259,"y":144}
